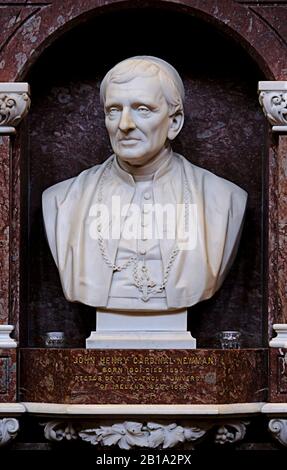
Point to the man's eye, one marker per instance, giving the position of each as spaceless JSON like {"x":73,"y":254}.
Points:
{"x":112,"y":111}
{"x":143,"y":110}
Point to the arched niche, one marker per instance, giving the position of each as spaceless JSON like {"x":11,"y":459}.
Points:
{"x":223,"y":132}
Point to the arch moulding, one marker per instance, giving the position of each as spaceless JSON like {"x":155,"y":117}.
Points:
{"x":37,"y":25}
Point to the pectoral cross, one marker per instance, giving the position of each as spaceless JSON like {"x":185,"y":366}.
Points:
{"x":146,"y":284}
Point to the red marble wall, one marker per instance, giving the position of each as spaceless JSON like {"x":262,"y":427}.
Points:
{"x":271,"y":240}
{"x":8,"y":375}
{"x":276,"y":255}
{"x":277,"y":375}
{"x":282,"y":229}
{"x":4,"y":228}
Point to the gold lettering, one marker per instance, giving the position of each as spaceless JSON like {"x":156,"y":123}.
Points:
{"x":150,"y":361}
{"x":112,"y":370}
{"x":86,"y":359}
{"x":196,"y":360}
{"x":113,"y":361}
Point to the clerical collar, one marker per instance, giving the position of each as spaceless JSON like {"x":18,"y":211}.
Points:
{"x":154,"y":169}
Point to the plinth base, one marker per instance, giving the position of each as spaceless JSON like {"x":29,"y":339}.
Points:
{"x":126,"y":329}
{"x":140,"y":340}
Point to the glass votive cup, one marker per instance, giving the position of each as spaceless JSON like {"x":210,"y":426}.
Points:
{"x":230,"y":339}
{"x":54,"y":339}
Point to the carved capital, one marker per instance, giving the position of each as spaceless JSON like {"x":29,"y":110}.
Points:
{"x":5,"y":341}
{"x":273,"y":99}
{"x":14,"y":105}
{"x":9,"y":428}
{"x":278,"y":428}
{"x":280,"y":341}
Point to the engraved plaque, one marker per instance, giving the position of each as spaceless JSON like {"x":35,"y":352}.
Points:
{"x":143,"y":376}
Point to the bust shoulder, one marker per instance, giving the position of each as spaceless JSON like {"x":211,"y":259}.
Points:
{"x":215,"y":187}
{"x":63,"y":195}
{"x":56,"y":194}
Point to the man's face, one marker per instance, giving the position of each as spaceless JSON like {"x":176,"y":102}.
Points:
{"x":137,"y":119}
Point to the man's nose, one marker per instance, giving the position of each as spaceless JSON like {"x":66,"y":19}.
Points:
{"x":126,"y":122}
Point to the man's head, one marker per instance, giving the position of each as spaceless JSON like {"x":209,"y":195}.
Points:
{"x":143,"y":98}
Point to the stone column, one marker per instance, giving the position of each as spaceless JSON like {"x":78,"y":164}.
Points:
{"x":14,"y":105}
{"x":273,"y":99}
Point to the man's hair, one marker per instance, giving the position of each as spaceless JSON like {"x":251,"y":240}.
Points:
{"x":148,"y":66}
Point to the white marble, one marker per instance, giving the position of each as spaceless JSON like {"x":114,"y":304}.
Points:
{"x":14,"y":104}
{"x":58,"y":431}
{"x":127,"y":410}
{"x":12,"y":408}
{"x":240,"y":408}
{"x":14,"y":87}
{"x":131,"y":434}
{"x":6,"y":130}
{"x":140,"y":340}
{"x":9,"y":428}
{"x":195,"y":274}
{"x":127,"y":434}
{"x":231,"y":432}
{"x":273,"y":99}
{"x":280,"y":341}
{"x":5,"y":341}
{"x":280,"y":129}
{"x":141,"y":330}
{"x":277,"y":85}
{"x":139,"y":320}
{"x":163,"y":434}
{"x":278,"y":428}
{"x":274,"y":408}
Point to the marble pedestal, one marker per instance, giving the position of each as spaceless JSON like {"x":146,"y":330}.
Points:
{"x":141,"y":330}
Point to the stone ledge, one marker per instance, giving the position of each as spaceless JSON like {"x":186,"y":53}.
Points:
{"x":129,"y":410}
{"x":275,"y":408}
{"x":8,"y":409}
{"x":163,"y":410}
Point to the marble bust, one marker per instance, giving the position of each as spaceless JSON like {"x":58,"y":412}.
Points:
{"x":113,"y":230}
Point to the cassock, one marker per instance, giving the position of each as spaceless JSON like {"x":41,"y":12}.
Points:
{"x":160,"y":272}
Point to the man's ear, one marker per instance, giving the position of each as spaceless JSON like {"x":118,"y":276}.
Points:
{"x":175,"y":125}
